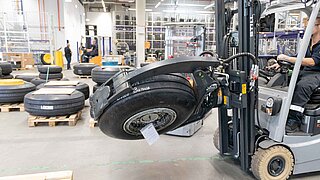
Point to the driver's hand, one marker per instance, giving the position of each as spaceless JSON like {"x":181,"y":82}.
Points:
{"x":283,"y":57}
{"x":274,"y":66}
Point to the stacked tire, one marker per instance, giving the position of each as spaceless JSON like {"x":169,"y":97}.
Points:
{"x":6,"y":69}
{"x":81,"y":87}
{"x":14,"y":90}
{"x":54,"y":104}
{"x":50,"y":72}
{"x":83,"y":69}
{"x":102,"y":74}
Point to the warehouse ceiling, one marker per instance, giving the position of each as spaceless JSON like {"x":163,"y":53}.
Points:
{"x":151,"y":5}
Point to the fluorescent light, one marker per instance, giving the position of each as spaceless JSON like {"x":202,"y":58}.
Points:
{"x":192,"y":5}
{"x":158,"y":4}
{"x":180,"y":11}
{"x":205,"y":12}
{"x":209,"y":6}
{"x":103,"y":5}
{"x":131,"y":1}
{"x":133,"y":9}
{"x":68,"y":1}
{"x":76,"y":6}
{"x":87,"y":19}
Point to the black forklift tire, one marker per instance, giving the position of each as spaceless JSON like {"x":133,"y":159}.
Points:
{"x":95,"y":87}
{"x":263,"y":159}
{"x":27,"y":78}
{"x":81,"y":87}
{"x":83,"y":69}
{"x":101,"y":75}
{"x":6,"y":68}
{"x":38,"y":81}
{"x":216,"y":139}
{"x":54,"y":105}
{"x":9,"y":76}
{"x":51,"y":76}
{"x":15,"y":93}
{"x":53,"y":69}
{"x":173,"y":101}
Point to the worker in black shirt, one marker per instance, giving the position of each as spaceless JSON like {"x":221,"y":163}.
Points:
{"x":308,"y":80}
{"x":93,"y":51}
{"x":67,"y":54}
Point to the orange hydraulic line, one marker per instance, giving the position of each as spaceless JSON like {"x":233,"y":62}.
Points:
{"x":40,"y":19}
{"x":44,"y":19}
{"x":59,"y":26}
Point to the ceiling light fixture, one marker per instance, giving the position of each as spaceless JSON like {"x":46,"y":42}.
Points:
{"x":158,"y":4}
{"x":104,"y":6}
{"x":133,"y":9}
{"x":209,"y":6}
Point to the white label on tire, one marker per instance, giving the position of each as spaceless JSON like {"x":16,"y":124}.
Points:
{"x":47,"y":107}
{"x":150,"y":134}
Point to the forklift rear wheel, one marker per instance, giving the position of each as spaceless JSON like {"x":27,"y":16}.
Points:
{"x":273,"y":163}
{"x":164,"y":104}
{"x":216,"y":138}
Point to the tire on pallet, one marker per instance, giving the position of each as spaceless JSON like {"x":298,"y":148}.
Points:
{"x":83,"y":69}
{"x":45,"y":58}
{"x":38,"y":81}
{"x":51,"y":76}
{"x":6,"y":68}
{"x":53,"y":69}
{"x":166,"y":104}
{"x":95,"y":87}
{"x":9,"y":76}
{"x":54,"y":105}
{"x":144,"y":64}
{"x":26,"y":77}
{"x":101,"y":75}
{"x":273,"y":163}
{"x":82,"y":87}
{"x":15,"y":92}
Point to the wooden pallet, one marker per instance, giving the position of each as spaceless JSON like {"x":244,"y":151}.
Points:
{"x":11,"y":107}
{"x":71,"y":119}
{"x":92,"y":123}
{"x":84,"y":77}
{"x":60,"y":175}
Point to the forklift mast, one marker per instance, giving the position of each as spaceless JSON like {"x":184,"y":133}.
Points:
{"x":241,"y":100}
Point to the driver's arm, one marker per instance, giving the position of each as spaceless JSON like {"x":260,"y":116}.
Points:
{"x":314,"y":60}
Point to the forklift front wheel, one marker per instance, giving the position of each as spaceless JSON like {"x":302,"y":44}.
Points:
{"x":216,"y":138}
{"x":273,"y":163}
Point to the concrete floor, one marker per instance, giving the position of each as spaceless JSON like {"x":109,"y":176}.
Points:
{"x":92,"y":155}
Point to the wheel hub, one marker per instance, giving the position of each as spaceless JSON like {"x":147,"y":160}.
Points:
{"x":276,"y":166}
{"x":159,"y":117}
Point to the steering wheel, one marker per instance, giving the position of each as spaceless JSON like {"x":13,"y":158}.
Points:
{"x":206,"y":54}
{"x":285,"y":63}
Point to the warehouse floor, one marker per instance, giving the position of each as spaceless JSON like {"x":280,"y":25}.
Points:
{"x":92,"y":155}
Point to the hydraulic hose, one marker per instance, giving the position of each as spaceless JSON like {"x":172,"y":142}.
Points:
{"x":251,"y":56}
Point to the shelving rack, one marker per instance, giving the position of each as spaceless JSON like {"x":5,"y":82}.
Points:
{"x":125,"y":29}
{"x":20,"y":34}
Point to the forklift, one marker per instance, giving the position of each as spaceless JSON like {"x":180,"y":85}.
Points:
{"x":251,"y":117}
